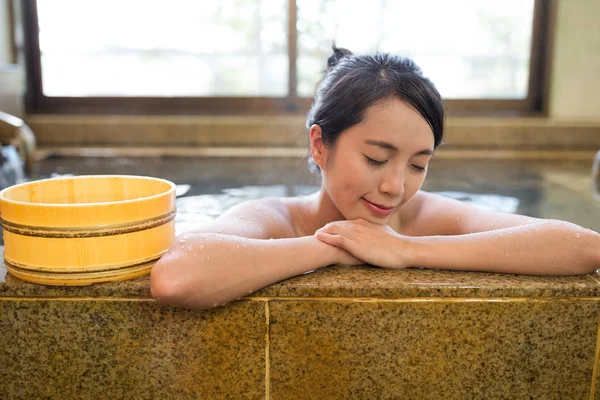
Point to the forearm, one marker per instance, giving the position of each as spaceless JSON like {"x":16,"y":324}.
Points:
{"x":209,"y":269}
{"x":540,"y":248}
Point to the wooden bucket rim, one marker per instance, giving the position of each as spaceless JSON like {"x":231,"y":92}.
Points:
{"x":3,"y":198}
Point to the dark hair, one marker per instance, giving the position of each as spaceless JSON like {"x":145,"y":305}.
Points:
{"x":352,"y":83}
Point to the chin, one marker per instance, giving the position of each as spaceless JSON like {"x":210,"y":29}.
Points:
{"x":378,"y":221}
{"x":372,"y":219}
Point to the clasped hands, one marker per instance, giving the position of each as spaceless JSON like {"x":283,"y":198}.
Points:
{"x":361,"y":241}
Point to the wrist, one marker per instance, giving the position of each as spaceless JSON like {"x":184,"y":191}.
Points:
{"x":325,"y":253}
{"x":412,"y":251}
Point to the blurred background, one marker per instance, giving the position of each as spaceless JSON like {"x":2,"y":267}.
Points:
{"x":513,"y":58}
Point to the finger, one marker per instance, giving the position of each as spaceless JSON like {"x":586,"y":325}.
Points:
{"x":323,"y":229}
{"x":334,"y":240}
{"x":341,"y":242}
{"x":331,"y":228}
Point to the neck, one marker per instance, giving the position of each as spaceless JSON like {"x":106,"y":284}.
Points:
{"x":319,"y":210}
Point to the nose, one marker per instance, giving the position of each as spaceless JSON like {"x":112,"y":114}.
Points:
{"x":393,"y":184}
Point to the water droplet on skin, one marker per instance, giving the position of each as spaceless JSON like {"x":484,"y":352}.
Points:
{"x":207,"y":258}
{"x":537,"y":256}
{"x":215,"y":304}
{"x":181,"y":240}
{"x":244,"y":245}
{"x":507,"y":254}
{"x":436,"y":237}
{"x":293,"y":253}
{"x":237,"y":245}
{"x":261,"y":249}
{"x":190,"y":248}
{"x":249,"y":291}
{"x":577,"y":236}
{"x":201,"y":247}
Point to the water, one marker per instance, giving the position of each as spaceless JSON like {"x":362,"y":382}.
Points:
{"x":491,"y":202}
{"x":196,"y":210}
{"x":11,"y":167}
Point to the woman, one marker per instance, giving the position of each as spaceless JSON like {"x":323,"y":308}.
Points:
{"x":374,"y":125}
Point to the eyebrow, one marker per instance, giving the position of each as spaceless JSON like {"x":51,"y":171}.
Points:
{"x":389,"y":146}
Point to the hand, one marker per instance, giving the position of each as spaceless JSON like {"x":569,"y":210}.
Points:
{"x":375,"y":244}
{"x":335,"y":255}
{"x":345,"y":258}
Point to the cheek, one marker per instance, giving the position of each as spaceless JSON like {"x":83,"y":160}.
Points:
{"x":347,"y":182}
{"x":413,"y":185}
{"x":354,"y":180}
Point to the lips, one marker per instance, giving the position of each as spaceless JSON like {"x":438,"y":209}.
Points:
{"x":378,"y":209}
{"x":380,"y":206}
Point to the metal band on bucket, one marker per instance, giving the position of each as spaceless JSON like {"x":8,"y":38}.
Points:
{"x":87,"y":232}
{"x":14,"y":266}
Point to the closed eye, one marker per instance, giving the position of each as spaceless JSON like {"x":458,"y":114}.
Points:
{"x":418,"y":169}
{"x":375,"y":163}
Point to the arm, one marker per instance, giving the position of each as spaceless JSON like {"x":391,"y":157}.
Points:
{"x":234,"y":256}
{"x":482,"y":240}
{"x":539,"y":248}
{"x":438,"y":232}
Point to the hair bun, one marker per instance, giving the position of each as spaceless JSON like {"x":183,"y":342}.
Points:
{"x":338,"y":54}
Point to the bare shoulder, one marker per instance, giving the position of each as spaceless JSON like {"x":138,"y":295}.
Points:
{"x":260,"y":219}
{"x":429,"y":214}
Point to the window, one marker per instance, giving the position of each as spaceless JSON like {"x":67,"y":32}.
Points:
{"x":266,"y":56}
{"x":159,"y":48}
{"x":470,"y":48}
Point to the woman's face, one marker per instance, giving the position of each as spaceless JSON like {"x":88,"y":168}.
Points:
{"x":375,"y":167}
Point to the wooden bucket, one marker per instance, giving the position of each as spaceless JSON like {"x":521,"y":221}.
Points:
{"x":81,"y":230}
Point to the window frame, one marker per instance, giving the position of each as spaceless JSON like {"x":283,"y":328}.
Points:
{"x":535,"y":104}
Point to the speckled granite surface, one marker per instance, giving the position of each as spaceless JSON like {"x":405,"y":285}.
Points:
{"x":432,"y":350}
{"x":130,"y":350}
{"x":360,"y":281}
{"x":376,"y":282}
{"x":336,"y":333}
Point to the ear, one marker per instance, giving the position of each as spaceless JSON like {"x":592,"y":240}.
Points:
{"x":318,"y":151}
